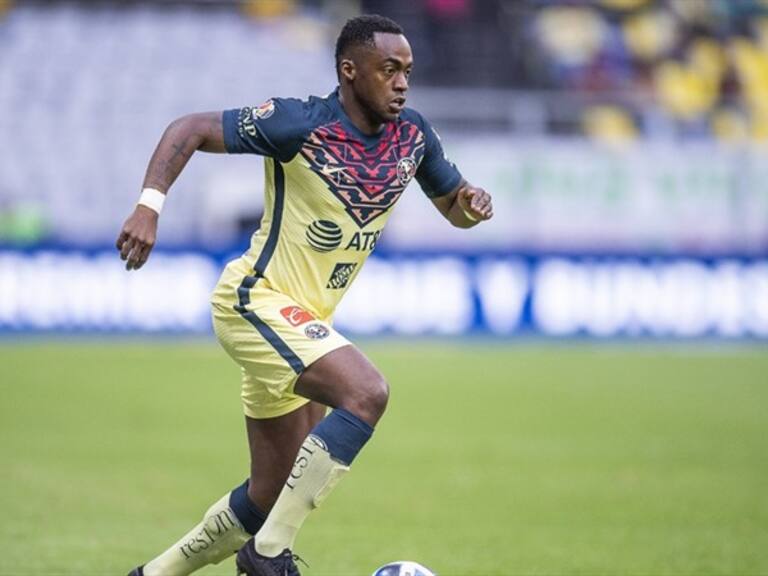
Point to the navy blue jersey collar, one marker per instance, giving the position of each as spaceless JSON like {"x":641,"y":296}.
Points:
{"x":367,"y":139}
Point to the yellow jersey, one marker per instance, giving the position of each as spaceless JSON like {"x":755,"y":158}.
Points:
{"x":329,"y":191}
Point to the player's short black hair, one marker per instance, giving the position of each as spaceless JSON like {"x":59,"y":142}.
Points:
{"x":360,"y":30}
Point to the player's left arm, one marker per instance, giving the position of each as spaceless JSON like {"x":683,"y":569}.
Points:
{"x":465,"y":206}
{"x":462,"y":204}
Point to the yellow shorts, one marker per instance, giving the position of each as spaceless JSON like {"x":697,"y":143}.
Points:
{"x":273,"y":339}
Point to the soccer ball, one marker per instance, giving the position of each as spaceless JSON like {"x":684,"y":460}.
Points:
{"x":403,"y":568}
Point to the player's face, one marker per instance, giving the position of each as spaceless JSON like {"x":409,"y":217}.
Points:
{"x":382,"y":80}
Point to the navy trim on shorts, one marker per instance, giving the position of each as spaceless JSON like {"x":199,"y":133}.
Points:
{"x":271,"y":336}
{"x":243,"y":292}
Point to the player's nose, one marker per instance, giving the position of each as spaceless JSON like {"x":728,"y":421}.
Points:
{"x":401,"y":82}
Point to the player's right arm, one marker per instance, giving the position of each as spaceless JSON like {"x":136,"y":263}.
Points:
{"x":276,"y":128}
{"x":181,"y":139}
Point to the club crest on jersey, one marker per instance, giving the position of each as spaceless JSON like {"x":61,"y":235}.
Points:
{"x":406,"y":170}
{"x":324,"y":235}
{"x":296,"y":316}
{"x":316,"y":331}
{"x":341,"y":274}
{"x":264,"y":111}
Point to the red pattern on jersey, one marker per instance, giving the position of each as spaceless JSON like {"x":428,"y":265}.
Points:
{"x":368,"y":183}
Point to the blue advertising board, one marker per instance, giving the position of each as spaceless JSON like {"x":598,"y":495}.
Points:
{"x":89,"y":291}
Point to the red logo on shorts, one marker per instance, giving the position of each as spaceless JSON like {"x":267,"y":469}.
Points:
{"x":296,"y":316}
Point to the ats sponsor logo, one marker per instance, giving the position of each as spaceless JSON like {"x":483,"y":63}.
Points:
{"x":341,"y":274}
{"x":327,"y":236}
{"x":363,"y":241}
{"x":324,"y":235}
{"x":296,"y":316}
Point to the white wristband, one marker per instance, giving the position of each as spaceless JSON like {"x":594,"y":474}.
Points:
{"x":152,"y":199}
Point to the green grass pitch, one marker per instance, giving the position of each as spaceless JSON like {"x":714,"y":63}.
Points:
{"x":493,"y":459}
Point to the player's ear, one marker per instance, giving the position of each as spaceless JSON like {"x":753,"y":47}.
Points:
{"x":347,"y":69}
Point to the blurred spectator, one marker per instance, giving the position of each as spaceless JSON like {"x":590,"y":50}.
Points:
{"x":704,"y":63}
{"x":685,"y":65}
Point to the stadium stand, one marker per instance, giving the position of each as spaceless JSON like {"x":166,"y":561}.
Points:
{"x":86,"y":88}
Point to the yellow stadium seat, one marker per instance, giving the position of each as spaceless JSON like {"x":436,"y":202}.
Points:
{"x":649,"y":34}
{"x":707,"y":57}
{"x":683,"y":92}
{"x":610,"y":124}
{"x":751,"y":66}
{"x":573,"y":35}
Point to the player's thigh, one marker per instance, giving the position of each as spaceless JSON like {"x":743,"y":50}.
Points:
{"x":273,"y":340}
{"x":346,"y":378}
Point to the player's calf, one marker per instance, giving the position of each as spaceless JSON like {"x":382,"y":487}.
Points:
{"x":323,"y":459}
{"x":347,"y":381}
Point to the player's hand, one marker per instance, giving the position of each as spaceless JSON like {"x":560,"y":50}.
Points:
{"x":475,"y":202}
{"x":137,"y":237}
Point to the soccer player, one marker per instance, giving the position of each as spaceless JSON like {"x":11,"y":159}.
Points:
{"x":335,"y":167}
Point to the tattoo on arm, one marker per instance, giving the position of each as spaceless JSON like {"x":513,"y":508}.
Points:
{"x":180,"y":140}
{"x":179,"y":151}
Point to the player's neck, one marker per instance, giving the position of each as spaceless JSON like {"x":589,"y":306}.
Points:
{"x":357,"y":114}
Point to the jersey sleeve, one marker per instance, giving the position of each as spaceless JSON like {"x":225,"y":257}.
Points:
{"x":276,"y":128}
{"x":436,"y":175}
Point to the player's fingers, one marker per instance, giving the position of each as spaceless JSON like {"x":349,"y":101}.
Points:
{"x":140,"y":253}
{"x":465,"y":195}
{"x":134,"y":256}
{"x":126,"y":247}
{"x":477,"y":202}
{"x":121,"y":239}
{"x":139,"y":259}
{"x":483,"y":207}
{"x":480,"y":200}
{"x":143,"y":256}
{"x":129,"y":258}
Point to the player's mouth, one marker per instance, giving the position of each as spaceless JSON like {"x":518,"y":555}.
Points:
{"x":396,"y":105}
